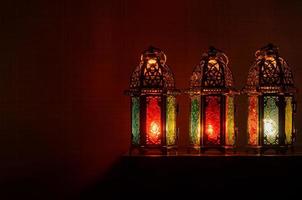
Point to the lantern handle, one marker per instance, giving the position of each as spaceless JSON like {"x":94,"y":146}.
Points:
{"x":224,"y":57}
{"x":269,"y":49}
{"x":217,"y":53}
{"x":165,"y":57}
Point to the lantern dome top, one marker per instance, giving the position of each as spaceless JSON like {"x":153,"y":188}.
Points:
{"x":154,"y":53}
{"x":152,"y":74}
{"x":269,"y":73}
{"x":212,"y":73}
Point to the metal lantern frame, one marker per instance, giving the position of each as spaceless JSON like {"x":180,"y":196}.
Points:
{"x":212,"y":83}
{"x":272,"y":106}
{"x":152,"y":91}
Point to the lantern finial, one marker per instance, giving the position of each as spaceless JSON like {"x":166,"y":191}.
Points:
{"x":152,"y":49}
{"x":212,"y":51}
{"x":270,"y":49}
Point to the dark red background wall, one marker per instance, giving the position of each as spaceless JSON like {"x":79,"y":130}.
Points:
{"x":65,"y":64}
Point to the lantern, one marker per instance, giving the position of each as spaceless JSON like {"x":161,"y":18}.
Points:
{"x":271,"y":98}
{"x":153,"y":104}
{"x":212,"y":123}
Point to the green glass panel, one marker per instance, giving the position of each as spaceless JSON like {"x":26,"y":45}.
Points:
{"x":135,"y":120}
{"x":171,"y":121}
{"x":230,"y":125}
{"x":195,"y":121}
{"x":288,"y":119}
{"x":271,"y":120}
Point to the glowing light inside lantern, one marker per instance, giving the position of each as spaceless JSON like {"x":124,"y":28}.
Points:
{"x":212,"y":121}
{"x":153,"y":120}
{"x":271,"y":120}
{"x":210,"y":130}
{"x":154,"y":128}
{"x":151,"y":61}
{"x":214,"y":63}
{"x":270,"y":127}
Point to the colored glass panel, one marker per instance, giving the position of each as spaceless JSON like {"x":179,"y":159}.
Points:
{"x":288,"y":119}
{"x":253,"y":120}
{"x":230,"y":125}
{"x":135,"y":120}
{"x":212,"y":120}
{"x":171,"y":121}
{"x":153,"y":120}
{"x":195,"y":121}
{"x":271,"y":120}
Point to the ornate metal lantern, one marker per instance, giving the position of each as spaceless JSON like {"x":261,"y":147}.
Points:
{"x":153,"y":104}
{"x":212,"y":123}
{"x":270,"y":89}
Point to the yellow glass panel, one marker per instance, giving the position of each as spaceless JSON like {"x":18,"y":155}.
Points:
{"x":288,"y":119}
{"x":230,"y":125}
{"x":171,"y":121}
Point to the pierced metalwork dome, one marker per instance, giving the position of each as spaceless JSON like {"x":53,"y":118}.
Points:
{"x":269,"y":73}
{"x":212,"y":74}
{"x":152,"y":73}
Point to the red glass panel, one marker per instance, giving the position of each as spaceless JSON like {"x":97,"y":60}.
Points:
{"x":212,"y":120}
{"x":153,"y":123}
{"x":253,"y":120}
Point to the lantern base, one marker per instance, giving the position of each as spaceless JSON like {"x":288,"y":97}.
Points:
{"x":221,"y":149}
{"x":195,"y":149}
{"x":258,"y":149}
{"x":230,"y":149}
{"x":153,"y":150}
